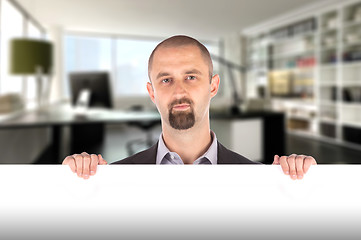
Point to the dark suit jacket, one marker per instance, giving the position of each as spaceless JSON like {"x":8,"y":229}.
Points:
{"x":149,"y":156}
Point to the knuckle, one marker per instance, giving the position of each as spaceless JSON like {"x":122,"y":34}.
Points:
{"x":94,"y":158}
{"x":290,"y":160}
{"x":68,"y":158}
{"x":65,"y":162}
{"x":78,"y":157}
{"x":312,"y":161}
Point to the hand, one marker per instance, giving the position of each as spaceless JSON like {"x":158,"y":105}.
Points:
{"x":294,"y":165}
{"x":83,"y":164}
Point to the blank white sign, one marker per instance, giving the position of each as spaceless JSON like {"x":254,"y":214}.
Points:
{"x":180,"y":202}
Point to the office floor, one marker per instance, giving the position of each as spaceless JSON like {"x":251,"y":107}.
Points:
{"x":117,"y":136}
{"x":322,"y":151}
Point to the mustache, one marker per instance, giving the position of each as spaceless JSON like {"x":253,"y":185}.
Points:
{"x":180,"y":101}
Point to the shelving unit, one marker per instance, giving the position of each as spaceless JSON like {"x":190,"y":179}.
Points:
{"x":257,"y":65}
{"x":312,"y":68}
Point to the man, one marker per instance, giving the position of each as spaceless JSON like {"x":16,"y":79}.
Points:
{"x":182,"y":85}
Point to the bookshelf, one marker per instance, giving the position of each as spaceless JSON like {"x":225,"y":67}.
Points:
{"x":310,"y":68}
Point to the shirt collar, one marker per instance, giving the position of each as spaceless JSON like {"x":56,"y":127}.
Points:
{"x":162,"y":150}
{"x":210,"y":154}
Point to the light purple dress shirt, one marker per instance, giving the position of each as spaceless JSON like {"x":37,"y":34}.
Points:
{"x":164,"y":156}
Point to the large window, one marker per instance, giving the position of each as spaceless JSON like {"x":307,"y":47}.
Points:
{"x":132,"y":66}
{"x":87,"y":54}
{"x":14,"y":24}
{"x":126,"y":60}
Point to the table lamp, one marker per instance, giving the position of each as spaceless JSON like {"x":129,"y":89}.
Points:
{"x":33,"y":57}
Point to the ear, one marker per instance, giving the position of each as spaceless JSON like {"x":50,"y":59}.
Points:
{"x":150,"y":91}
{"x":214,"y":85}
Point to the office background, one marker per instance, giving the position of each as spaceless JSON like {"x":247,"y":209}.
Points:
{"x":300,"y":59}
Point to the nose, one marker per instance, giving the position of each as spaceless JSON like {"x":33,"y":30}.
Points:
{"x":179,"y":89}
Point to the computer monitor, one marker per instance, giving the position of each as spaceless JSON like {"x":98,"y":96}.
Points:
{"x":96,"y":84}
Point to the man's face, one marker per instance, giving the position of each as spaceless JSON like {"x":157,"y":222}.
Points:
{"x":181,"y":87}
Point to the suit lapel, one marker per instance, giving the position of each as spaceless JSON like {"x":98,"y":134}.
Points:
{"x":220,"y":154}
{"x":225,"y":156}
{"x":148,"y":156}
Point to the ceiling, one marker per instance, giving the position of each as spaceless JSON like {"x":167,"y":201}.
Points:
{"x":203,"y":19}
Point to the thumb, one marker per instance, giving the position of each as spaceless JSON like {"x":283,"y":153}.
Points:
{"x":101,"y":160}
{"x":276,"y":160}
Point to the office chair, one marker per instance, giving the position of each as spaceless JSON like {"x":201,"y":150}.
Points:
{"x":147,"y":127}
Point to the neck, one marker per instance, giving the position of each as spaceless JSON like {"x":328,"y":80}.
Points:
{"x":189,"y":144}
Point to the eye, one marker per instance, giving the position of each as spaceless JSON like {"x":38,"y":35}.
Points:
{"x":167,"y":80}
{"x":191,"y":78}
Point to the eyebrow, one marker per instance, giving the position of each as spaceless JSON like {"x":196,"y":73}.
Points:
{"x":193,"y":71}
{"x":165,"y":74}
{"x":162,"y":74}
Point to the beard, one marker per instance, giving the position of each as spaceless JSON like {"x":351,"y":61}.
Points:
{"x":181,"y":120}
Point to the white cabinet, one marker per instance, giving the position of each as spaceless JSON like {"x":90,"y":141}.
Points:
{"x":243,"y":136}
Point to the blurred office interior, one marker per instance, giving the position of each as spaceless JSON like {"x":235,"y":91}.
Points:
{"x":291,"y":68}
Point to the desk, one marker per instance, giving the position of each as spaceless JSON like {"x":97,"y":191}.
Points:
{"x":58,"y":116}
{"x":271,"y":127}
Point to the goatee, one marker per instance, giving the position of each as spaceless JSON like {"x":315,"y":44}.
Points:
{"x":181,"y":120}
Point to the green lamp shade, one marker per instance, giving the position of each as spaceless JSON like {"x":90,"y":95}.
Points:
{"x":26,"y":55}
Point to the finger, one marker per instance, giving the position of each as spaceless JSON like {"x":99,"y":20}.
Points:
{"x":93,"y":164}
{"x":308,"y":162}
{"x":86,"y":165}
{"x":69,"y":160}
{"x":102,"y":160}
{"x":79,"y":164}
{"x":299,"y":165}
{"x":292,"y":166}
{"x":284,"y":165}
{"x":276,"y":160}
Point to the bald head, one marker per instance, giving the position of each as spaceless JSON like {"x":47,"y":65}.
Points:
{"x":181,"y":41}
